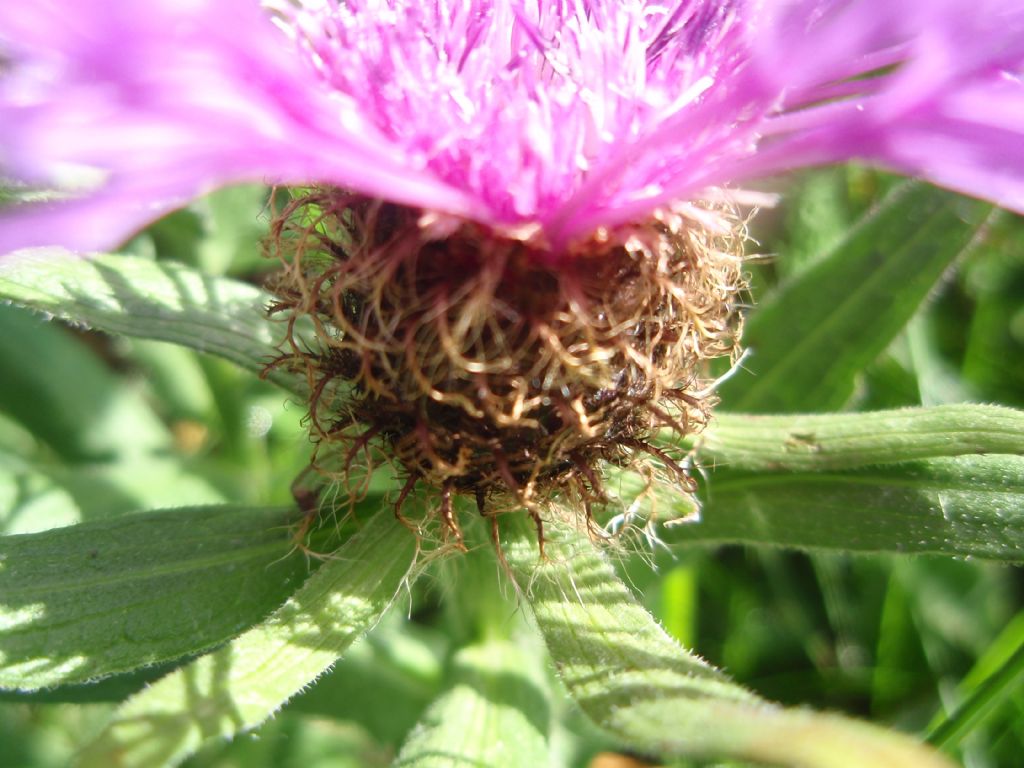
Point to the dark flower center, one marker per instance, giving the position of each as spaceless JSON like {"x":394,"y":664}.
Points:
{"x":482,"y":365}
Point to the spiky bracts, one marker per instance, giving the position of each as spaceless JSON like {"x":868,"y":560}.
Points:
{"x":485,"y":364}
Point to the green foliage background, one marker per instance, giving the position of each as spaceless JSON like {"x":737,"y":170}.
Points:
{"x":872,"y":293}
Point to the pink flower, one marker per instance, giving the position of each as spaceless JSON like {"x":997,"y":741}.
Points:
{"x":546,"y":116}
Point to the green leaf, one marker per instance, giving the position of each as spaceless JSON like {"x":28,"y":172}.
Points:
{"x":635,"y":682}
{"x":30,"y":500}
{"x":147,"y":299}
{"x":58,"y":389}
{"x":242,"y":684}
{"x":95,"y":599}
{"x":37,"y":496}
{"x":176,"y":378}
{"x":496,"y":715}
{"x":812,"y":338}
{"x":218,"y":233}
{"x":384,"y":682}
{"x":846,"y":440}
{"x":993,"y":678}
{"x":678,"y":603}
{"x":947,"y":480}
{"x":967,"y":505}
{"x":992,"y":334}
{"x":235,"y":230}
{"x":290,"y":741}
{"x":113,"y":689}
{"x":817,"y":215}
{"x":108,"y":490}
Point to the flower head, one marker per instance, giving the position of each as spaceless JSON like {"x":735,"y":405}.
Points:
{"x":550,"y":117}
{"x":515,"y":233}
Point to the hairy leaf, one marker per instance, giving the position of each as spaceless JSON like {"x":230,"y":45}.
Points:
{"x":966,"y":505}
{"x":91,"y":600}
{"x":812,"y":337}
{"x":496,"y":715}
{"x":946,"y":480}
{"x":635,"y":682}
{"x":148,"y":299}
{"x":239,"y":686}
{"x":384,"y":682}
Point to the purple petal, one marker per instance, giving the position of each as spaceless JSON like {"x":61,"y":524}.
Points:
{"x":951,"y":110}
{"x":944,"y":101}
{"x":558,"y":117}
{"x":167,"y":100}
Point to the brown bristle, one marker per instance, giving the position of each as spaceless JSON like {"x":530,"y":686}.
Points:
{"x":485,"y":366}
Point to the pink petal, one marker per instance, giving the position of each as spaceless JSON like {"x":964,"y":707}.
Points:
{"x":560,"y":117}
{"x":167,"y":100}
{"x":952,"y":111}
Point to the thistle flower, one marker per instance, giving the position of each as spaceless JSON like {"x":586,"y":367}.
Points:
{"x":517,"y":244}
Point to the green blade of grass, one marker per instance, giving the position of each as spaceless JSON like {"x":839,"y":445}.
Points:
{"x":995,"y":675}
{"x":636,"y":683}
{"x":496,"y":715}
{"x":95,"y":599}
{"x":132,"y":296}
{"x":812,"y":337}
{"x":242,"y":684}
